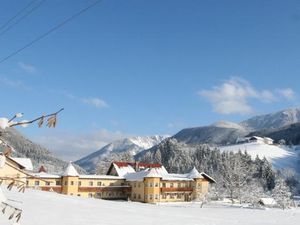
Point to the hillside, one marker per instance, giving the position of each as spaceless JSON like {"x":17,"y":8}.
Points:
{"x":116,"y":151}
{"x":226,"y":132}
{"x":290,"y":133}
{"x":273,"y":120}
{"x":281,"y":157}
{"x":214,"y":134}
{"x":38,"y":154}
{"x":46,"y":208}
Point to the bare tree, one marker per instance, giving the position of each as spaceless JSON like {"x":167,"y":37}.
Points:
{"x":17,"y":181}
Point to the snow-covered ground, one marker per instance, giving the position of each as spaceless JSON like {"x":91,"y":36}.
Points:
{"x":280,"y":156}
{"x":44,"y":208}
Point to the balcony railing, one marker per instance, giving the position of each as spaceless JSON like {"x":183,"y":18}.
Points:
{"x":169,"y":189}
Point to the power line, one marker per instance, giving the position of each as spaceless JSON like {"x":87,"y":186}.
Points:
{"x":17,"y":14}
{"x":22,"y":17}
{"x":59,"y":25}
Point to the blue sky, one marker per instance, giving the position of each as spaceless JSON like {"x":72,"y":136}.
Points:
{"x":148,"y":67}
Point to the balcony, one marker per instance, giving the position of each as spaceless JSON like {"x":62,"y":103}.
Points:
{"x":182,"y":189}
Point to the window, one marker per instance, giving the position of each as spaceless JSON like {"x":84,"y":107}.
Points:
{"x":103,"y":184}
{"x":99,"y":183}
{"x":146,"y":197}
{"x":139,"y":196}
{"x":164,"y":185}
{"x":151,"y":196}
{"x":171,"y":185}
{"x":72,"y":182}
{"x":47,"y":183}
{"x":156,"y":184}
{"x":151,"y":184}
{"x":79,"y":183}
{"x":146,"y":184}
{"x":91,"y":183}
{"x":79,"y":195}
{"x":164,"y":196}
{"x":57,"y":183}
{"x":156,"y":196}
{"x":134,"y":196}
{"x":37,"y":183}
{"x":66,"y":183}
{"x":90,"y":195}
{"x":179,"y":185}
{"x":171,"y":196}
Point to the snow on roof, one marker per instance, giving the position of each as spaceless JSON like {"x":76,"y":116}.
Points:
{"x":156,"y":172}
{"x":25,"y":162}
{"x":45,"y":175}
{"x":208,"y":177}
{"x":70,"y":171}
{"x":257,"y":138}
{"x":194,"y":173}
{"x":268,"y":201}
{"x":268,"y":139}
{"x":100,"y":177}
{"x":123,"y":170}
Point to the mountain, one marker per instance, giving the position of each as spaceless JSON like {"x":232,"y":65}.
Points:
{"x":290,"y":134}
{"x":123,"y":149}
{"x":220,"y":133}
{"x":273,"y":120}
{"x":39,"y":155}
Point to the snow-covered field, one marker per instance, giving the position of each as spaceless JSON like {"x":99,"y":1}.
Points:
{"x":280,"y":156}
{"x":44,"y":208}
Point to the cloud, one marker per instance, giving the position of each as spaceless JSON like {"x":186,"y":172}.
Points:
{"x":27,"y":68}
{"x":73,"y":146}
{"x":13,"y":83}
{"x":233,"y":96}
{"x":287,"y":93}
{"x":96,"y":102}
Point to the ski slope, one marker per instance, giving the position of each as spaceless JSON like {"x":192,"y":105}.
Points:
{"x":45,"y":208}
{"x":280,"y":156}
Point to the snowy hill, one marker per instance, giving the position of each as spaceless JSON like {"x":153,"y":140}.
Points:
{"x":280,"y":156}
{"x":114,"y":150}
{"x":273,"y":120}
{"x":219,"y":134}
{"x":38,"y":154}
{"x":46,"y":208}
{"x":226,"y":132}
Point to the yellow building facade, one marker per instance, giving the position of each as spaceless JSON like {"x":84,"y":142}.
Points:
{"x":149,"y":183}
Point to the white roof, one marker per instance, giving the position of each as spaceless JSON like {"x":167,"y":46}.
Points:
{"x":45,"y":175}
{"x":122,"y":171}
{"x":256,"y":137}
{"x":70,"y":171}
{"x":26,"y":162}
{"x":268,"y":201}
{"x":194,"y":173}
{"x":155,"y":172}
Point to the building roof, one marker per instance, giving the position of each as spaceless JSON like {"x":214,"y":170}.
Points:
{"x":194,"y":173}
{"x":268,"y":201}
{"x":70,"y":171}
{"x":45,"y":175}
{"x":25,"y":162}
{"x":137,"y":164}
{"x":123,"y":168}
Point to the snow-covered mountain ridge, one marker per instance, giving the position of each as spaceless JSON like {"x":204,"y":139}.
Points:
{"x":117,"y":149}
